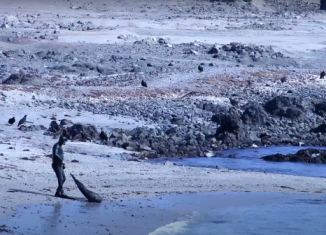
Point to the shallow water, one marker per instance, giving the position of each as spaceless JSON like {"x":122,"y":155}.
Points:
{"x":249,"y":159}
{"x":195,"y":214}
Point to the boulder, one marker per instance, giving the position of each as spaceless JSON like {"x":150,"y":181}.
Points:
{"x":209,"y":107}
{"x":232,"y":132}
{"x":65,"y":122}
{"x":171,"y":131}
{"x":54,"y":127}
{"x":13,"y":79}
{"x":214,"y":50}
{"x":305,"y":155}
{"x":176,"y":120}
{"x":320,"y":129}
{"x":284,"y":106}
{"x":254,"y":114}
{"x":320,"y":109}
{"x":230,"y":122}
{"x":292,"y":113}
{"x":90,"y":130}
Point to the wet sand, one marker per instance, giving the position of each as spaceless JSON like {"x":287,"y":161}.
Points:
{"x":203,"y":213}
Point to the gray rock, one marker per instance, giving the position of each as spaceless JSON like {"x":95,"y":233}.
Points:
{"x":254,"y":114}
{"x":32,"y":128}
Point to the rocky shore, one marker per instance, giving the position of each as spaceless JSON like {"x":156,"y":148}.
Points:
{"x":220,"y":75}
{"x":304,"y":156}
{"x":248,"y":94}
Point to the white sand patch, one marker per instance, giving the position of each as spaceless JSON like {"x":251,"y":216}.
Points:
{"x":171,"y":229}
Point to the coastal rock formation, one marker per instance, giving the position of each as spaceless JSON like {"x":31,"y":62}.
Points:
{"x":284,"y":106}
{"x":89,"y":130}
{"x":306,"y":156}
{"x":232,"y":132}
{"x":320,"y":109}
{"x":254,"y":114}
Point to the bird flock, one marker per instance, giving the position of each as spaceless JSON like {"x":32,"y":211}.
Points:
{"x":12,"y":120}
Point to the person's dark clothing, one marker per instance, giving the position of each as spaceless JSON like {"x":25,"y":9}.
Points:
{"x":58,"y":167}
{"x":57,"y":154}
{"x":59,"y":172}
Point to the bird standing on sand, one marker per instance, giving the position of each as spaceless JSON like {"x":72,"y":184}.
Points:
{"x":22,"y":121}
{"x":322,"y":75}
{"x":143,"y":83}
{"x":12,"y":120}
{"x":103,"y":136}
{"x":200,"y":68}
{"x":283,"y":79}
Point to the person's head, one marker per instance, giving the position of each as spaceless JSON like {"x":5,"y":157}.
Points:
{"x":62,"y":140}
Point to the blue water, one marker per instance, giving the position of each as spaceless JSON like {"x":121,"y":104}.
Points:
{"x":286,"y":217}
{"x":227,"y":213}
{"x":249,"y":160}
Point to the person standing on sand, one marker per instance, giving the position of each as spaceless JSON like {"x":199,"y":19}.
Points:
{"x":58,"y":165}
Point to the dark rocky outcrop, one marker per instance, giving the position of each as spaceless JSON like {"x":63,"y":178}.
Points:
{"x":31,"y":78}
{"x":232,"y":132}
{"x":284,"y":106}
{"x":320,"y":129}
{"x":89,"y":130}
{"x":320,"y":109}
{"x":213,"y":50}
{"x":173,"y":141}
{"x":254,"y":114}
{"x":305,"y":155}
{"x":54,"y":127}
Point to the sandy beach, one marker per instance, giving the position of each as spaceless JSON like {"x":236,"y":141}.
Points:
{"x":220,"y":75}
{"x":107,"y":171}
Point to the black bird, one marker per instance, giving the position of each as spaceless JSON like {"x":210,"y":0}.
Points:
{"x":11,"y":120}
{"x":283,"y":79}
{"x":103,"y":136}
{"x":22,"y":121}
{"x":143,"y":83}
{"x":322,"y":75}
{"x":54,"y":127}
{"x":200,"y":68}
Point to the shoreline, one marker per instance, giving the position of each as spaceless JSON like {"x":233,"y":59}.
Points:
{"x":176,"y":180}
{"x":156,"y":215}
{"x":223,"y":76}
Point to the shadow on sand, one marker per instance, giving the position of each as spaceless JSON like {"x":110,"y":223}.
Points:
{"x":43,"y":194}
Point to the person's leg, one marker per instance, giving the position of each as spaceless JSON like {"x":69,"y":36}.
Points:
{"x":63,"y":176}
{"x":58,"y":171}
